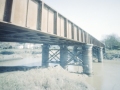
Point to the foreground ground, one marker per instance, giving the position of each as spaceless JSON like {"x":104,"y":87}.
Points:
{"x":52,"y":78}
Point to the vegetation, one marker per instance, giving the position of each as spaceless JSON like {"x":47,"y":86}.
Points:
{"x":6,"y":52}
{"x":112,"y":42}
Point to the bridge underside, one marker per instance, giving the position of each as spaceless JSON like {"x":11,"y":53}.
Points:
{"x":14,"y":33}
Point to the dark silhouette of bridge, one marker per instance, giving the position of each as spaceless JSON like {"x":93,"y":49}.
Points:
{"x":33,"y":21}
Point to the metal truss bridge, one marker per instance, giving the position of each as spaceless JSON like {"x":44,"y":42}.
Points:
{"x":33,"y":21}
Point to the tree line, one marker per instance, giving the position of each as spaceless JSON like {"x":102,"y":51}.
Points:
{"x":112,"y":41}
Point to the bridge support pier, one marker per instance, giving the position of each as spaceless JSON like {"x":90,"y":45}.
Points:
{"x":100,"y":54}
{"x":45,"y":55}
{"x":87,"y":59}
{"x":63,"y":56}
{"x":75,"y":52}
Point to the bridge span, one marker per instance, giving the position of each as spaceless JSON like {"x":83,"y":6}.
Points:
{"x":33,"y":21}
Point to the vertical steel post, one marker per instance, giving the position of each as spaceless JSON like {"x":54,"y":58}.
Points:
{"x":41,"y":12}
{"x":56,"y":23}
{"x":66,"y":28}
{"x":8,"y":10}
{"x":45,"y":55}
{"x":63,"y":56}
{"x":39,"y":15}
{"x":100,"y":54}
{"x":87,"y":59}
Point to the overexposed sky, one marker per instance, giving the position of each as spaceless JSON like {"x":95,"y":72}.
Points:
{"x":97,"y":17}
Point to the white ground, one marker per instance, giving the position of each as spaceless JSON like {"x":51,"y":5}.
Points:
{"x":52,"y":78}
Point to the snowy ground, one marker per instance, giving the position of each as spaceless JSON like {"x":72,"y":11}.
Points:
{"x":52,"y":78}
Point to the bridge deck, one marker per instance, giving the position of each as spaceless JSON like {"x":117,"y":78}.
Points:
{"x":35,"y":22}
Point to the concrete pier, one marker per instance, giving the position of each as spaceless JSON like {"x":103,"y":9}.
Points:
{"x":45,"y":55}
{"x":75,"y":52}
{"x":100,"y":54}
{"x":63,"y":56}
{"x":87,"y":58}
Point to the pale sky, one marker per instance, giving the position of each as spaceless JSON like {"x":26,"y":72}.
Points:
{"x":97,"y":17}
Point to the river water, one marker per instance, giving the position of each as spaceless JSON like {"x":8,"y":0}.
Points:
{"x":106,"y":75}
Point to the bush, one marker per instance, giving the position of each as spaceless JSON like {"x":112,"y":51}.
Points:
{"x":34,"y":52}
{"x":6,"y":52}
{"x":118,"y":49}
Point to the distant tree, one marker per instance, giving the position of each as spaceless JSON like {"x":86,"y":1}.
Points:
{"x":111,"y":41}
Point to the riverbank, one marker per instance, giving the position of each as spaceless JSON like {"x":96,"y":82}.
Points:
{"x":52,"y":78}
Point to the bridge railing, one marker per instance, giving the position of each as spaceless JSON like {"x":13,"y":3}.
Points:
{"x":35,"y":14}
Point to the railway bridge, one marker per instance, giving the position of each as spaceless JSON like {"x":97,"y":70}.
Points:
{"x":33,"y":21}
